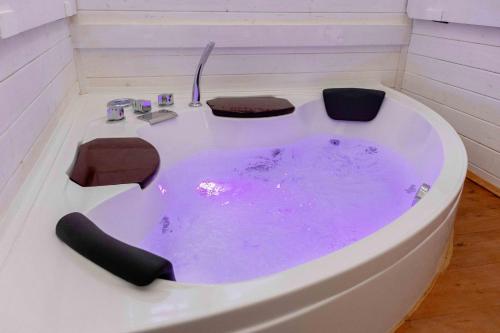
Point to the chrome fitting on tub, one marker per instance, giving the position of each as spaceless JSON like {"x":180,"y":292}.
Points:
{"x":126,"y":103}
{"x":142,"y":105}
{"x":165,"y":99}
{"x":422,"y":191}
{"x":115,"y":113}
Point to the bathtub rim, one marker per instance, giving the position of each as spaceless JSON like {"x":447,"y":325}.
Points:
{"x":449,"y":183}
{"x":445,"y":191}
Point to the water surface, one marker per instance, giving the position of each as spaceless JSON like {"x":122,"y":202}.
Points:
{"x":233,"y":215}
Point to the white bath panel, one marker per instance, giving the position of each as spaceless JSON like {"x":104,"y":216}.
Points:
{"x":354,"y":278}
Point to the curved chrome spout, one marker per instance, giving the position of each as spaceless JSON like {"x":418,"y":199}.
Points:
{"x":195,"y":102}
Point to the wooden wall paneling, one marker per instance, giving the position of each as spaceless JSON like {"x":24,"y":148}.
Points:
{"x":153,"y":30}
{"x":26,"y":84}
{"x":278,"y":6}
{"x":465,"y":53}
{"x":474,"y":104}
{"x":485,"y":158}
{"x":479,"y":81}
{"x":247,"y":82}
{"x":144,"y":63}
{"x":17,"y":16}
{"x":455,"y":69}
{"x":15,"y":53}
{"x":36,"y":72}
{"x":17,"y":141}
{"x":471,"y":127}
{"x":487,"y":180}
{"x":262,"y":47}
{"x":484,"y":12}
{"x":462,"y":32}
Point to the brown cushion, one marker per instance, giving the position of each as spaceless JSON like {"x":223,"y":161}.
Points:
{"x":112,"y":161}
{"x":250,"y":107}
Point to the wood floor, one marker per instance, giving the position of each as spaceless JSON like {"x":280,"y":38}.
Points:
{"x":466,"y":297}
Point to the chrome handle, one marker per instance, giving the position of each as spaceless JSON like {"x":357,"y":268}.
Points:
{"x":165,"y":99}
{"x":142,"y":105}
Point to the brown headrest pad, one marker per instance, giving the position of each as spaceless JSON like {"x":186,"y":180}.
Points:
{"x":250,"y":107}
{"x":113,"y":161}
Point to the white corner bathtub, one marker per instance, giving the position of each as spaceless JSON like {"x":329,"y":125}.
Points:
{"x":367,"y":285}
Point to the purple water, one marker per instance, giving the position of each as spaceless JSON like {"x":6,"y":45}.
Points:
{"x":236,"y":215}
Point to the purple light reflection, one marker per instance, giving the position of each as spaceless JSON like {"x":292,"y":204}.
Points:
{"x":237,"y":215}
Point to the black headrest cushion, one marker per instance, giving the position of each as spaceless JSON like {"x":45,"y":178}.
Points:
{"x":135,"y":265}
{"x":354,"y":104}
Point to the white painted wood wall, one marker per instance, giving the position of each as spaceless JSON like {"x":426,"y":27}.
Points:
{"x":17,"y":16}
{"x":36,"y":72}
{"x":476,"y":12}
{"x":455,"y":69}
{"x":265,"y":43}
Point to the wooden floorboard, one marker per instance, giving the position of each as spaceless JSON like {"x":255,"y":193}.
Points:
{"x":466,"y":297}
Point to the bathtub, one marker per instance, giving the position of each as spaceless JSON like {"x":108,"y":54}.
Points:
{"x":367,"y":286}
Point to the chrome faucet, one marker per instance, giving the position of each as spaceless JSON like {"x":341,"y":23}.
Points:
{"x":195,"y":102}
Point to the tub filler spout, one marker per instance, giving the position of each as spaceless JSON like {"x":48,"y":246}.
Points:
{"x":195,"y":102}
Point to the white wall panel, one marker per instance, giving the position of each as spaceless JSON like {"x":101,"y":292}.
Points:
{"x":36,"y":72}
{"x":483,"y":157}
{"x":278,"y":6}
{"x":24,"y":150}
{"x":477,"y":105}
{"x":25,"y":130}
{"x":166,"y":30}
{"x":473,"y":128}
{"x":481,"y":173}
{"x":144,"y":43}
{"x":115,"y":64}
{"x":484,"y":12}
{"x":17,"y":16}
{"x":15,"y":53}
{"x":23,"y":87}
{"x":469,"y":54}
{"x":479,"y":81}
{"x":17,"y":141}
{"x":462,"y":32}
{"x":247,"y":82}
{"x":455,"y":69}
